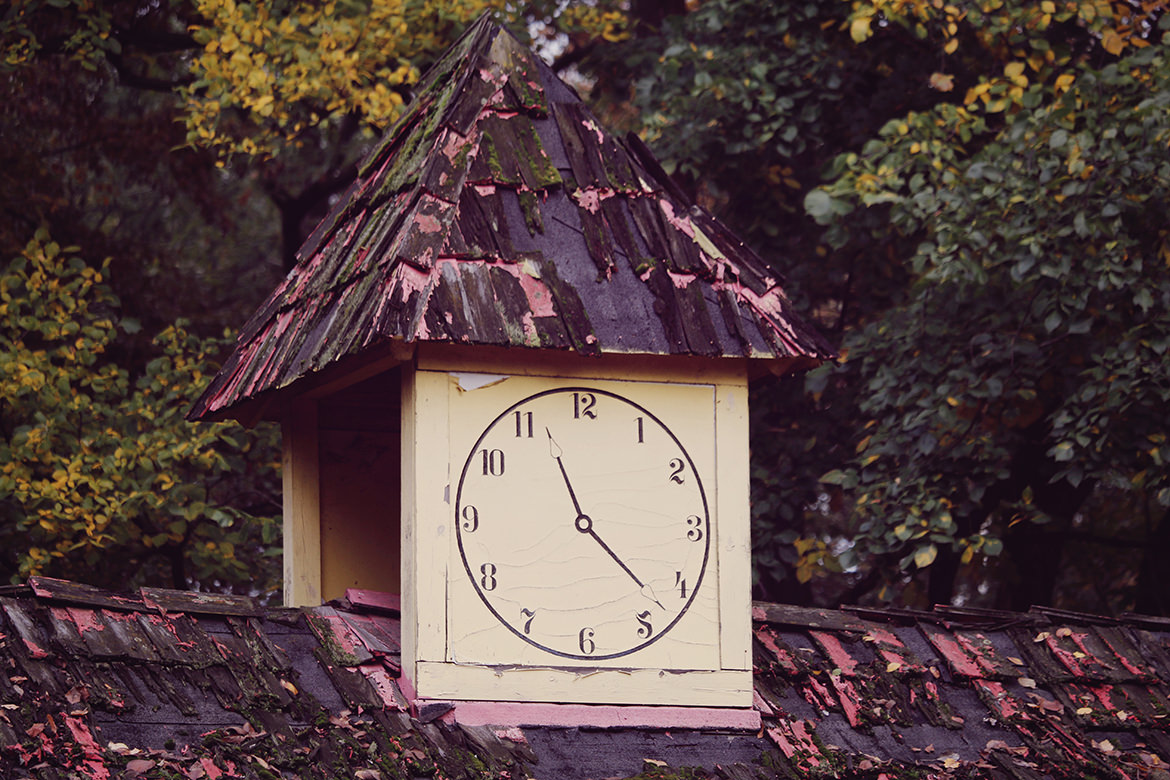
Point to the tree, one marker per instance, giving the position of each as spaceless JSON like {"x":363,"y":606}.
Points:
{"x":1025,"y":371}
{"x":989,"y":254}
{"x":102,"y":478}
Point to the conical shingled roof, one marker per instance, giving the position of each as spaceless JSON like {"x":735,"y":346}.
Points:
{"x":497,"y":211}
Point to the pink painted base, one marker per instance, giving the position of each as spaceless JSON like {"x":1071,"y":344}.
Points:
{"x":492,"y":713}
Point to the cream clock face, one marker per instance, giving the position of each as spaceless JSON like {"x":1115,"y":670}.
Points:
{"x":582,"y":523}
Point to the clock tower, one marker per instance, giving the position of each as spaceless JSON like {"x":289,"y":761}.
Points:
{"x":511,"y":368}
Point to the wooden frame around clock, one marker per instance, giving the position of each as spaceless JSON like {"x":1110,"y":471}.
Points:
{"x":657,"y":647}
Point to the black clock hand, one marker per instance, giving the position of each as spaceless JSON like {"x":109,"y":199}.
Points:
{"x":555,"y":450}
{"x":584,"y":523}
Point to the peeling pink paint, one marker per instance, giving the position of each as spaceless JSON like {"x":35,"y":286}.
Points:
{"x":816,"y":694}
{"x":485,"y":190}
{"x":453,"y":144}
{"x":847,"y":695}
{"x":781,"y":741}
{"x":786,"y":661}
{"x":1005,"y":704}
{"x":383,"y":683}
{"x":86,"y":620}
{"x":981,"y":651}
{"x":836,"y":651}
{"x":340,"y":632}
{"x":428,"y":224}
{"x":94,"y":763}
{"x":1104,"y":694}
{"x":960,"y":662}
{"x":362,"y":597}
{"x":1070,"y":661}
{"x":540,"y":300}
{"x":590,"y":198}
{"x":513,"y":734}
{"x":683,"y":223}
{"x":528,"y":328}
{"x":592,"y":126}
{"x":1125,"y":662}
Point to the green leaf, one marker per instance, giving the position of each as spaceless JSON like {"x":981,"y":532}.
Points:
{"x":925,"y":555}
{"x":819,"y":206}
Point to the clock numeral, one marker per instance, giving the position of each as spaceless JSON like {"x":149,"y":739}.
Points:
{"x":470,"y":519}
{"x":694,"y":531}
{"x":583,"y":406}
{"x":528,"y":613}
{"x":488,"y":580}
{"x":638,"y":420}
{"x":523,"y":424}
{"x":585,"y":641}
{"x":644,"y":627}
{"x":676,"y":471}
{"x":681,"y":583}
{"x":493,"y":462}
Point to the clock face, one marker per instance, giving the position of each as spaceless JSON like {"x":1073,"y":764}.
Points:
{"x":582,"y":523}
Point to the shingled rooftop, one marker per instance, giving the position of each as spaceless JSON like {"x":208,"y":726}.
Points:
{"x":171,"y":684}
{"x":498,"y":212}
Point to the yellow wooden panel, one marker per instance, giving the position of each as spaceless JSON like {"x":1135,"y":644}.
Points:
{"x":735,"y":544}
{"x":425,"y":513}
{"x":610,"y":686}
{"x":302,"y":519}
{"x":407,"y":531}
{"x":515,"y":362}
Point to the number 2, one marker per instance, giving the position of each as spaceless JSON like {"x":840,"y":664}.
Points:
{"x":676,"y":473}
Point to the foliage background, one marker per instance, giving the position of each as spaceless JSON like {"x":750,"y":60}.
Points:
{"x":968,"y":197}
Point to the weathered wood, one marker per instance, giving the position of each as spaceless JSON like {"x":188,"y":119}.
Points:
{"x":198,"y":602}
{"x":302,"y":507}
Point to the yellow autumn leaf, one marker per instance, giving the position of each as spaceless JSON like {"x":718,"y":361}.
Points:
{"x":925,"y":556}
{"x":1112,"y":42}
{"x":1013,"y":69}
{"x":860,"y":30}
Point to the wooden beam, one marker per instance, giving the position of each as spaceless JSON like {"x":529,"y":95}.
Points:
{"x":302,"y":506}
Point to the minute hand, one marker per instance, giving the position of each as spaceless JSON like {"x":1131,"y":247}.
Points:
{"x":584,"y":523}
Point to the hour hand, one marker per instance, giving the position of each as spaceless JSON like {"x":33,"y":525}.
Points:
{"x":555,"y":450}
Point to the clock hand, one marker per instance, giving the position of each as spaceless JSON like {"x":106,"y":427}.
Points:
{"x":584,"y":522}
{"x":555,"y":450}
